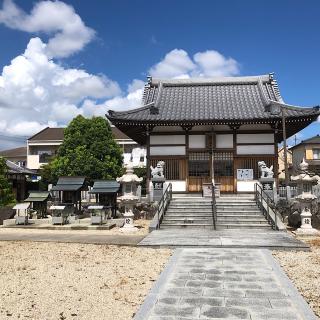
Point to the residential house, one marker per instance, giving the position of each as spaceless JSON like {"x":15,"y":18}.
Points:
{"x":308,"y":149}
{"x":16,"y":155}
{"x":44,"y":145}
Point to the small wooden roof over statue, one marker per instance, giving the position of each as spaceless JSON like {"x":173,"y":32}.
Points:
{"x":106,"y":193}
{"x":70,"y":188}
{"x":38,"y":200}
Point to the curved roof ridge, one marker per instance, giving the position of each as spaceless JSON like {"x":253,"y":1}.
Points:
{"x":212,"y":80}
{"x":292,"y":107}
{"x":145,"y":107}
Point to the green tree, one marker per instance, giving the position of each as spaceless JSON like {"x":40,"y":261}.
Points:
{"x":88,"y":149}
{"x":6,"y":194}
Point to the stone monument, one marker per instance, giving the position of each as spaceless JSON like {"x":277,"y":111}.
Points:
{"x":267,"y":180}
{"x":129,"y":198}
{"x":305,"y":180}
{"x":158,"y":180}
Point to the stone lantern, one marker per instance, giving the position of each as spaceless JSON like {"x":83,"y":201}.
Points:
{"x":129,"y":198}
{"x":305,"y":180}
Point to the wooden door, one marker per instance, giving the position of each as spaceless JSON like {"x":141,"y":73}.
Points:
{"x":223,"y":170}
{"x":198,"y":170}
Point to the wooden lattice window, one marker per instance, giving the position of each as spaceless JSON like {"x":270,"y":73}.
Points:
{"x":223,"y":164}
{"x":174,"y":169}
{"x":199,"y":164}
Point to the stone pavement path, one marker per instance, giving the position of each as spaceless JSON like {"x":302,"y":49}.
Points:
{"x":208,"y":283}
{"x":246,"y":238}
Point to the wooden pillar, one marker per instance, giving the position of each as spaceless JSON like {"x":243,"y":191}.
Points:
{"x":187,"y":129}
{"x":148,"y":160}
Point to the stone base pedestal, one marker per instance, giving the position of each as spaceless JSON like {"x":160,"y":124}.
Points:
{"x":157,"y":183}
{"x":268,"y":186}
{"x":128,"y":223}
{"x":306,"y":227}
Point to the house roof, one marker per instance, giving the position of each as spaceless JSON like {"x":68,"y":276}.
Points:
{"x":105,"y":186}
{"x":58,"y":134}
{"x":228,"y":100}
{"x":14,"y":153}
{"x":48,"y":134}
{"x":70,"y":184}
{"x":15,"y":169}
{"x":37,"y":196}
{"x":312,"y":140}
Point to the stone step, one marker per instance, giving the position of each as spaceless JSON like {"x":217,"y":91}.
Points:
{"x":240,"y":216}
{"x":243,"y":204}
{"x":239,"y":212}
{"x":191,"y":204}
{"x":244,"y":226}
{"x":242,"y":222}
{"x":178,"y":215}
{"x":188,"y":220}
{"x":188,"y":210}
{"x":189,"y":226}
{"x":239,"y":208}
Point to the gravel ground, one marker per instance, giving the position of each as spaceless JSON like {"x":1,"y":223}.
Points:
{"x":303,"y":268}
{"x":73,"y":281}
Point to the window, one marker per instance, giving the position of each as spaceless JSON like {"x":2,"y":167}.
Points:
{"x":223,"y":164}
{"x":199,"y":164}
{"x":44,"y":156}
{"x":316,"y":154}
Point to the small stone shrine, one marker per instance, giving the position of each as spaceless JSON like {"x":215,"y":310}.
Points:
{"x":305,"y":180}
{"x":158,"y":180}
{"x":266,"y":179}
{"x":129,"y":182}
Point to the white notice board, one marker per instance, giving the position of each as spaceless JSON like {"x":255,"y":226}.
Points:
{"x":244,"y":174}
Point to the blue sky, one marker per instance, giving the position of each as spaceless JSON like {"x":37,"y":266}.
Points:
{"x":131,"y":37}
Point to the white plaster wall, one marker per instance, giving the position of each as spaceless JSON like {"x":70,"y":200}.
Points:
{"x":255,"y":138}
{"x":33,"y":162}
{"x":168,"y":139}
{"x":246,"y":186}
{"x":197,"y":141}
{"x":168,"y":151}
{"x":224,"y":141}
{"x":178,"y":185}
{"x":256,"y":149}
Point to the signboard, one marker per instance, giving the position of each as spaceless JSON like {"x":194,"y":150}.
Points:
{"x":244,"y":174}
{"x":207,"y":190}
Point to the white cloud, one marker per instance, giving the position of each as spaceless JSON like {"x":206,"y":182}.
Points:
{"x":34,"y":90}
{"x":50,"y":17}
{"x":211,"y":63}
{"x":177,"y":64}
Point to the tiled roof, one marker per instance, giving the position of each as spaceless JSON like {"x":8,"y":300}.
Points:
{"x":14,"y":168}
{"x":215,"y":100}
{"x":58,"y":134}
{"x":14,"y":153}
{"x":49,"y":134}
{"x":69,"y":184}
{"x":312,"y":140}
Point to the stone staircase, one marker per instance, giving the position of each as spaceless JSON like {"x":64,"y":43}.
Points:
{"x":233,"y":212}
{"x":186,"y":212}
{"x":236,"y":212}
